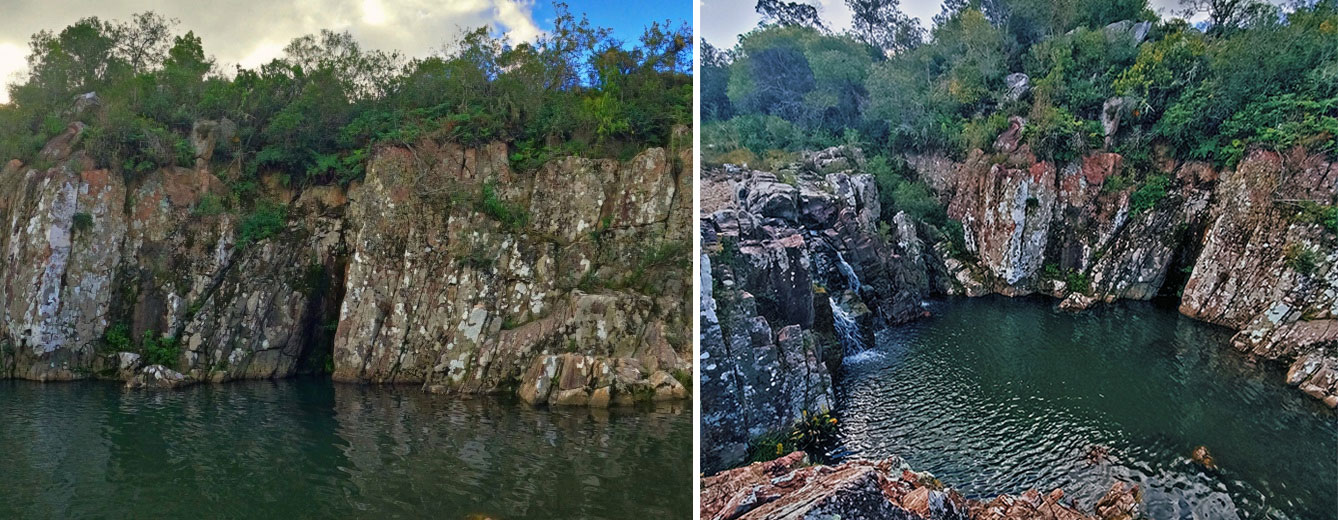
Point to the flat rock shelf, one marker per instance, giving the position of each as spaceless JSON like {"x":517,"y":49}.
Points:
{"x":999,"y":395}
{"x":309,"y":448}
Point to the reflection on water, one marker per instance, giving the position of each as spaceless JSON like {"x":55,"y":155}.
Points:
{"x":1000,"y":395}
{"x":313,"y":449}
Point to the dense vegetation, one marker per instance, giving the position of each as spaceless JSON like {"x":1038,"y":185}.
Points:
{"x":1253,"y":74}
{"x":314,"y":115}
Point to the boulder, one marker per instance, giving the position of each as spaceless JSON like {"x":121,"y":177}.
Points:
{"x":206,"y":135}
{"x":159,"y":377}
{"x":1008,"y":141}
{"x":1112,"y":111}
{"x":1017,"y":85}
{"x":770,"y":198}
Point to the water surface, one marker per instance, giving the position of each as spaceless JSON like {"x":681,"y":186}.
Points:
{"x":1000,"y":395}
{"x":309,"y":448}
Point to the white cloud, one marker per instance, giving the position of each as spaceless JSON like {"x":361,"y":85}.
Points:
{"x":252,"y":32}
{"x":12,"y":64}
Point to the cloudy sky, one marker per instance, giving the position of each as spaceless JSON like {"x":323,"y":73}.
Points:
{"x":722,"y":21}
{"x":252,"y":32}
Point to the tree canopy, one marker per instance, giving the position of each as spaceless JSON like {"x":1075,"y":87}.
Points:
{"x":313,"y":114}
{"x":1252,"y":75}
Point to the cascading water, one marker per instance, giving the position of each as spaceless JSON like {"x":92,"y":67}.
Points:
{"x":847,"y":331}
{"x":852,"y":280}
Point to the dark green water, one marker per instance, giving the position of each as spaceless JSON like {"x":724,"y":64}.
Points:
{"x":312,"y":449}
{"x":1000,"y":395}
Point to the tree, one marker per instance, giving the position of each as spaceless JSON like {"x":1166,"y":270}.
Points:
{"x":1223,"y":15}
{"x":779,"y":12}
{"x":714,"y":83}
{"x":143,"y":41}
{"x":881,"y":23}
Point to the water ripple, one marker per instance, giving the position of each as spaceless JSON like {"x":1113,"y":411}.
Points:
{"x":1000,"y":395}
{"x":311,"y":449}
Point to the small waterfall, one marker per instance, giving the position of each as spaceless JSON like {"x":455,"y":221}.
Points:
{"x":847,"y":331}
{"x":846,"y":328}
{"x":852,"y":280}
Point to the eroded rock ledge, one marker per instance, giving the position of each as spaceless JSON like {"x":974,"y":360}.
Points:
{"x":788,"y":488}
{"x":443,"y":268}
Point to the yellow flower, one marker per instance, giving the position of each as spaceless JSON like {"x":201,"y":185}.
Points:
{"x":832,"y":420}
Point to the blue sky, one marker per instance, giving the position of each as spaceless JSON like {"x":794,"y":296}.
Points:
{"x":627,"y":19}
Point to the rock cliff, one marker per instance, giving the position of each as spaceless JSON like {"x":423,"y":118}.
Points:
{"x":443,"y":268}
{"x":794,"y":275}
{"x":1246,"y":248}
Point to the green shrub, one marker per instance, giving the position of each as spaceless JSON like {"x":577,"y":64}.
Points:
{"x":160,"y":351}
{"x":956,"y":234}
{"x":1149,"y":194}
{"x":1054,"y":133}
{"x":1301,"y":259}
{"x":1314,"y":213}
{"x":1051,"y":271}
{"x":117,"y":338}
{"x":814,"y":434}
{"x":684,"y":378}
{"x":489,"y":204}
{"x":209,"y":205}
{"x":265,"y":221}
{"x":82,"y":222}
{"x":1078,"y":282}
{"x":980,"y":132}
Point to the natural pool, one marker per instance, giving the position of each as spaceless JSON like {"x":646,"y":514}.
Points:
{"x":998,"y":395}
{"x":308,"y":448}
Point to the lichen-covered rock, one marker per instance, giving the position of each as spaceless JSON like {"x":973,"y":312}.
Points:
{"x":779,"y":255}
{"x":789,"y":487}
{"x":753,"y":380}
{"x":1265,"y":268}
{"x":1029,"y":224}
{"x":158,"y":376}
{"x":59,"y":254}
{"x":445,"y":268}
{"x":468,"y":277}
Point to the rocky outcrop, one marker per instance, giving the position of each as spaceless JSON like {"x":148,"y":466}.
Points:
{"x":1269,"y":271}
{"x":780,"y":256}
{"x":93,"y":264}
{"x":1030,"y":226}
{"x":1245,"y":243}
{"x":464,"y":273}
{"x":790,"y":488}
{"x":444,"y":268}
{"x":754,"y":379}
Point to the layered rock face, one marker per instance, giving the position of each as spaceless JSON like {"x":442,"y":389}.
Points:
{"x":790,"y":488}
{"x":1239,"y":241}
{"x":88,"y":254}
{"x":444,"y":269}
{"x":463,"y":296}
{"x":1270,"y":273}
{"x":1028,"y":223}
{"x":784,"y":262}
